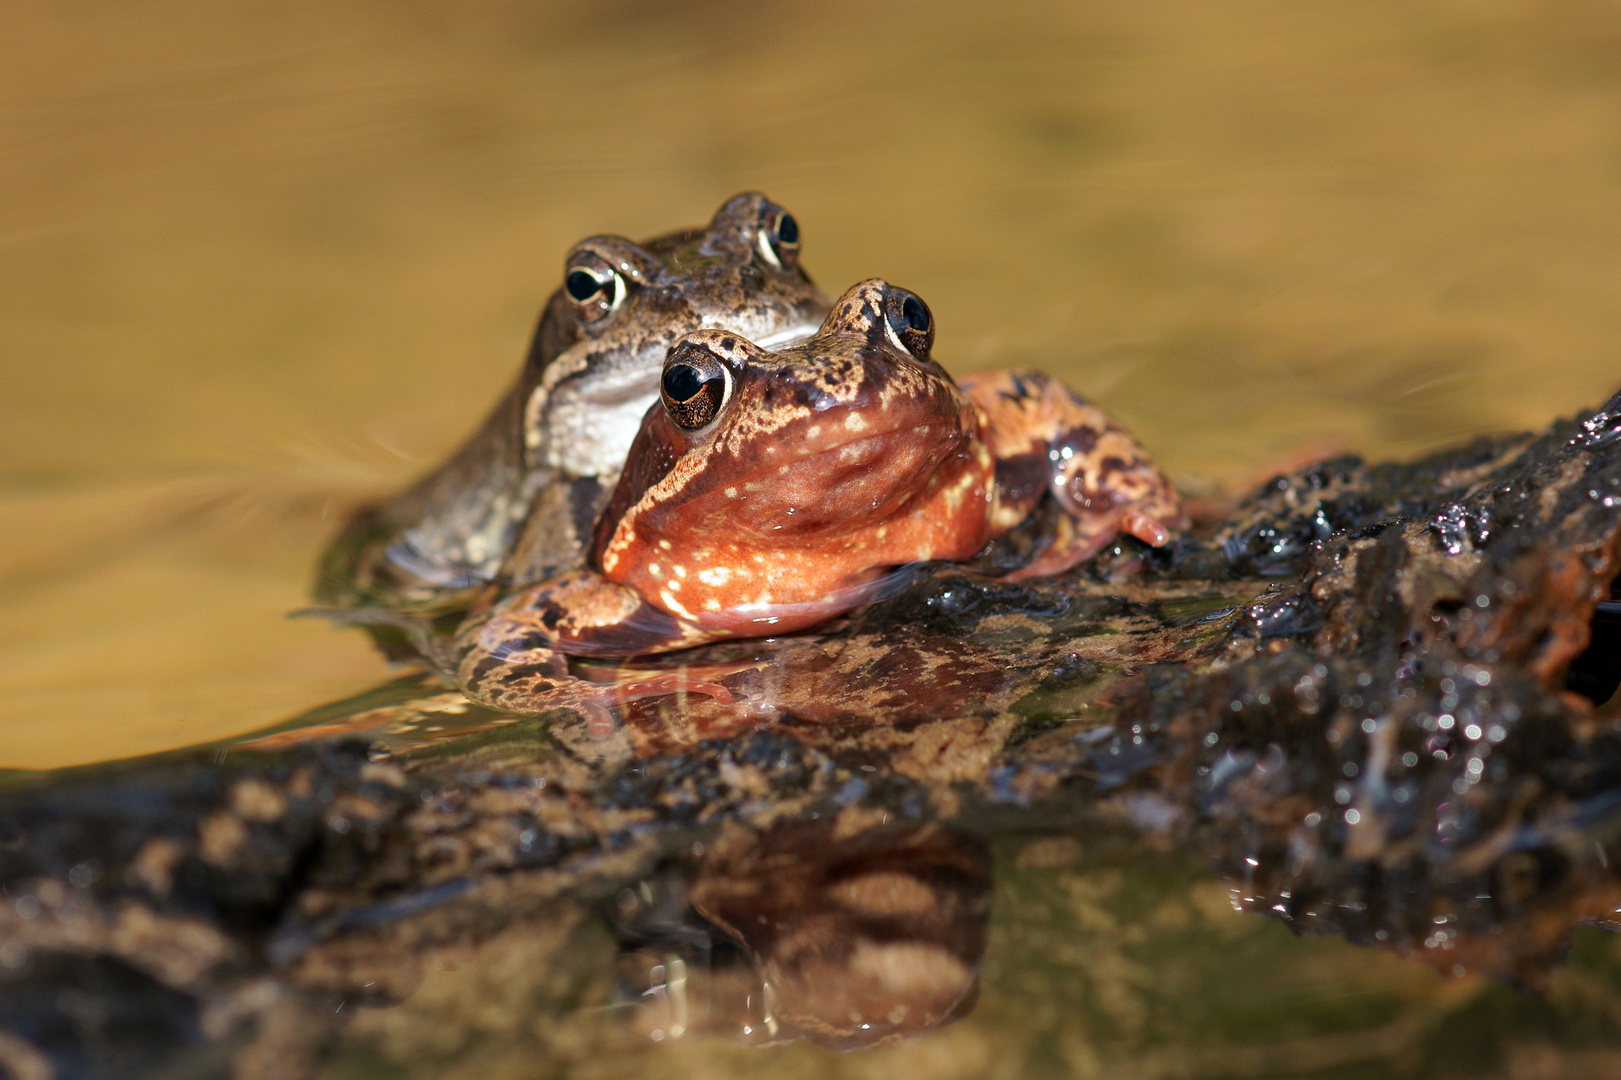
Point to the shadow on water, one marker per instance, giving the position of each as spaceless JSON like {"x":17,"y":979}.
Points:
{"x":1371,"y":697}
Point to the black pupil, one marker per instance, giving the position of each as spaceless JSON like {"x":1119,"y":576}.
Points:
{"x":914,"y":314}
{"x":787,"y":229}
{"x":582,"y":285}
{"x":682,"y":382}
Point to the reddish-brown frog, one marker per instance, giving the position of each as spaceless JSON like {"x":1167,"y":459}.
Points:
{"x":767,"y":492}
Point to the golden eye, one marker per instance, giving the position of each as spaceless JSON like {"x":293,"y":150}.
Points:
{"x":694,"y":388}
{"x":911,"y":323}
{"x":778,"y":238}
{"x":594,"y":289}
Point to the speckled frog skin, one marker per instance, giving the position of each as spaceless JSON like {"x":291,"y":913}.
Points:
{"x":521,"y":497}
{"x":769,"y":491}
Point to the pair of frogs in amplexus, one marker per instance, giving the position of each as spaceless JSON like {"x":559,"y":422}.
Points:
{"x":700,"y":447}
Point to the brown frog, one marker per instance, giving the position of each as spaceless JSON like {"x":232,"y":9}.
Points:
{"x":520,"y":497}
{"x":770,"y":491}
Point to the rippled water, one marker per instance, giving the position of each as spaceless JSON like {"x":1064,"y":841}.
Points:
{"x":260,"y":262}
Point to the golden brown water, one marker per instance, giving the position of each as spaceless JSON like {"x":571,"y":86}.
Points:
{"x":261,"y":261}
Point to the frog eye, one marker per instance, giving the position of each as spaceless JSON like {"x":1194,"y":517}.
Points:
{"x":594,"y":289}
{"x":778,"y":239}
{"x":694,"y":388}
{"x":910,"y":322}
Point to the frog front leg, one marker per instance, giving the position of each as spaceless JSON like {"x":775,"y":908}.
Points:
{"x":512,"y":654}
{"x":1045,"y":438}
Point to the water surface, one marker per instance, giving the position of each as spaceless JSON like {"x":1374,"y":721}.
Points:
{"x":259,"y":263}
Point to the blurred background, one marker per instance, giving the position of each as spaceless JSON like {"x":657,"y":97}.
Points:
{"x":261,"y":261}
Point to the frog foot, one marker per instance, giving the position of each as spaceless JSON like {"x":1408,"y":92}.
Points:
{"x":1040,"y":430}
{"x":534,"y":685}
{"x":1079,"y":540}
{"x":624,"y":691}
{"x":514,"y":655}
{"x":643,"y":682}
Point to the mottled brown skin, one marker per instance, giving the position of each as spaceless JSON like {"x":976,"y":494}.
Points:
{"x":820,"y":468}
{"x":519,"y":500}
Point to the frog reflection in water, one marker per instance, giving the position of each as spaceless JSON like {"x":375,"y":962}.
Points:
{"x":520,"y":498}
{"x":840,"y":930}
{"x":770,"y":491}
